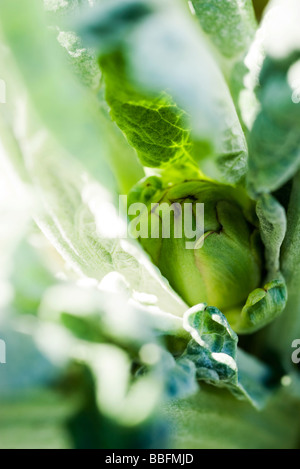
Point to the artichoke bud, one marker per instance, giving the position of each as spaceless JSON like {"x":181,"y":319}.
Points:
{"x":225,"y":262}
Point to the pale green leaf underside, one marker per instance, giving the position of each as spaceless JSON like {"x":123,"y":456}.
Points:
{"x":73,"y":229}
{"x":65,"y":215}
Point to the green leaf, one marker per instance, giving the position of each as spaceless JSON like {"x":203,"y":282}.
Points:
{"x":272,"y":219}
{"x":230,"y":24}
{"x":265,"y":304}
{"x":82,"y":60}
{"x":287,"y":327}
{"x":262,"y":307}
{"x":291,"y":245}
{"x":155,"y":127}
{"x":153,"y":38}
{"x":214,"y":351}
{"x":274,"y":138}
{"x":213,"y":347}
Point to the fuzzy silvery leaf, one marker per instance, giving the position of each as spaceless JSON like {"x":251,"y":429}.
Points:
{"x":230,"y":24}
{"x":70,"y":208}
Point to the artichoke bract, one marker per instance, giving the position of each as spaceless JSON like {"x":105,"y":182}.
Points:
{"x":225,"y":264}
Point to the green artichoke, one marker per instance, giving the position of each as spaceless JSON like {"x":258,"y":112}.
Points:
{"x":225,"y":264}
